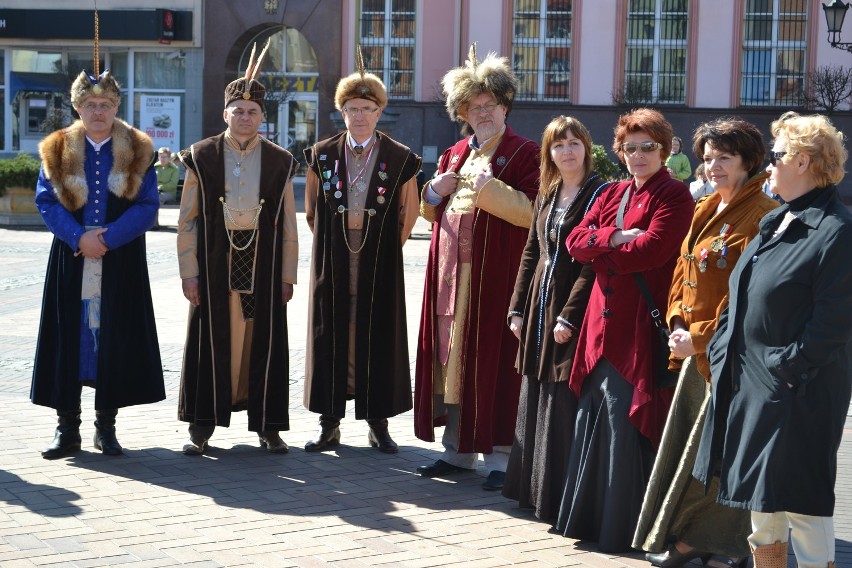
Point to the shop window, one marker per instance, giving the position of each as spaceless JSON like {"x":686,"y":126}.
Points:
{"x":541,"y":48}
{"x":656,"y":53}
{"x":386,"y":35}
{"x":773,"y":52}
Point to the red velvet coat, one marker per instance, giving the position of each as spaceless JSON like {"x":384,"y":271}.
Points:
{"x":490,"y":385}
{"x":618,"y":323}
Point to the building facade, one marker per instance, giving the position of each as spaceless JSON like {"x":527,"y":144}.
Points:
{"x":692,"y":59}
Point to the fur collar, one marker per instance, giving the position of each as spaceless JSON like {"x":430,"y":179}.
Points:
{"x":63,"y":154}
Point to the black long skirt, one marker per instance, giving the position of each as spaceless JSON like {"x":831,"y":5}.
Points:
{"x":609,"y":465}
{"x":535,"y":476}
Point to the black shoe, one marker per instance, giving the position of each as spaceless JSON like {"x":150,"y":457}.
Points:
{"x":439,"y":469}
{"x":326,"y":438}
{"x":672,"y":558}
{"x":720,"y":561}
{"x":379,"y":437}
{"x":273,"y":442}
{"x":66,"y":439}
{"x":105,"y":439}
{"x":494,"y":481}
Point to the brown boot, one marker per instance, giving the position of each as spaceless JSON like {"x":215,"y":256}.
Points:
{"x":770,"y":555}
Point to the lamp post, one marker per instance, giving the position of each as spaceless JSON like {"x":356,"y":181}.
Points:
{"x":834,"y":15}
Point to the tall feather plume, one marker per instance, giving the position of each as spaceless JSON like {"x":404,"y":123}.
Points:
{"x":472,"y":61}
{"x":250,"y":62}
{"x":253,"y":72}
{"x":97,"y":54}
{"x":359,"y":62}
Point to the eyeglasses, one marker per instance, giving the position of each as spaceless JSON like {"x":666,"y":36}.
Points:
{"x":100,"y":107}
{"x":630,"y":148}
{"x":488,"y":108}
{"x":774,"y":157}
{"x":355,"y":111}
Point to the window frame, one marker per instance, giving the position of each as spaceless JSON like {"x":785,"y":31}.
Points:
{"x":390,"y":73}
{"x":543,"y":43}
{"x":657,"y":44}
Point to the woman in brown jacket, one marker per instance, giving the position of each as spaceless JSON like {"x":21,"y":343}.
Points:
{"x":547,"y":308}
{"x":675,"y":507}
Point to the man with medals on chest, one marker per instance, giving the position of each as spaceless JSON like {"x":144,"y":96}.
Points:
{"x":361,"y":200}
{"x":97,"y":194}
{"x":480,"y":204}
{"x":238,"y":253}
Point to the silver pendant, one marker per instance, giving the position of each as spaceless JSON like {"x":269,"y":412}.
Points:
{"x":338,"y":194}
{"x":236,"y":171}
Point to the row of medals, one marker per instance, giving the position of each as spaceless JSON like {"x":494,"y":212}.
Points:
{"x":358,"y":187}
{"x":718,"y":245}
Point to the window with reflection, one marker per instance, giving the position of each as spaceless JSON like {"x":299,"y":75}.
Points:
{"x":290,"y":73}
{"x":773,"y":52}
{"x":541,"y":48}
{"x":386,"y":34}
{"x":656,"y":55}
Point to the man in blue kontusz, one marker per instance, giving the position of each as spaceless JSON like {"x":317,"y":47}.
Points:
{"x":97,"y":193}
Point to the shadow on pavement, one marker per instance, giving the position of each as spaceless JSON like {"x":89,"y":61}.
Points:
{"x":44,"y":500}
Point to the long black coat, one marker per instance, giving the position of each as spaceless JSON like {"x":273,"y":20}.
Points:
{"x":382,"y":375}
{"x":789,"y":322}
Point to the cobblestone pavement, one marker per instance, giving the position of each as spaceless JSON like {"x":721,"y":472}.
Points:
{"x":240,"y":506}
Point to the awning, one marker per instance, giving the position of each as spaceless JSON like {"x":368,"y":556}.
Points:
{"x":37,"y":82}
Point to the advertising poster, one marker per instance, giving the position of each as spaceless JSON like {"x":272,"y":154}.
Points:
{"x":159,"y":118}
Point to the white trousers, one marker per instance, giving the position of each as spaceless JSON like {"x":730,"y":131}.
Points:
{"x":812,"y":537}
{"x":495,"y":461}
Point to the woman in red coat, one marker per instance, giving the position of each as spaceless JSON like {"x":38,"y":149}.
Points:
{"x":621,"y":412}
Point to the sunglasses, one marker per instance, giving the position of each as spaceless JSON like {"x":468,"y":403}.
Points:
{"x":774,"y":157}
{"x":630,"y":148}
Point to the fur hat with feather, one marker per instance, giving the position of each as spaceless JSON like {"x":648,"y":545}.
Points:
{"x":491,"y":75}
{"x":360,"y":85}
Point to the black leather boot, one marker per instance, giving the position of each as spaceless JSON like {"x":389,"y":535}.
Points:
{"x":328,"y":435}
{"x":379,"y":437}
{"x":66,"y":440}
{"x":105,"y":432}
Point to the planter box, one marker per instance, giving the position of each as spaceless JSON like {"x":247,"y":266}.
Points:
{"x":18,"y":209}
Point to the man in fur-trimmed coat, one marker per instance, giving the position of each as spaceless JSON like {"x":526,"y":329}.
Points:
{"x":97,"y":193}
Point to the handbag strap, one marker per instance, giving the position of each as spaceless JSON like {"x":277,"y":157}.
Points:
{"x":640,"y":280}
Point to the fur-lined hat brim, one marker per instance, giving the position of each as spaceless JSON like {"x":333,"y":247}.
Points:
{"x":356,"y":86}
{"x":85,"y":86}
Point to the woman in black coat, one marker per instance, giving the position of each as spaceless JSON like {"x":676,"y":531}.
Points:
{"x":546,"y":310}
{"x":782,"y":355}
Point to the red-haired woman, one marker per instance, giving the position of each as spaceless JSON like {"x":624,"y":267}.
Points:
{"x":636,"y":226}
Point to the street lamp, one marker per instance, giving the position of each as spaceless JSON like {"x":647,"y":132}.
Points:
{"x":834,"y":15}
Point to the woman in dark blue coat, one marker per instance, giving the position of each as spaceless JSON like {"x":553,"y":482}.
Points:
{"x":782,"y":355}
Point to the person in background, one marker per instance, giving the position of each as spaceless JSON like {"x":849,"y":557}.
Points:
{"x":677,"y":163}
{"x":621,"y":410}
{"x":361,"y":202}
{"x":676,"y":508}
{"x":545,"y":314}
{"x":480,"y":207}
{"x":168,"y":175}
{"x":700,"y":187}
{"x":781,"y":357}
{"x":97,"y":194}
{"x":238,"y":251}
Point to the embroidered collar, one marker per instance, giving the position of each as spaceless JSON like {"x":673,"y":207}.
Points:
{"x":478,"y":147}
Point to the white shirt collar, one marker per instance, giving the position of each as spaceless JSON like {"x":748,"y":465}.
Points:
{"x":98,"y":145}
{"x":353,"y":142}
